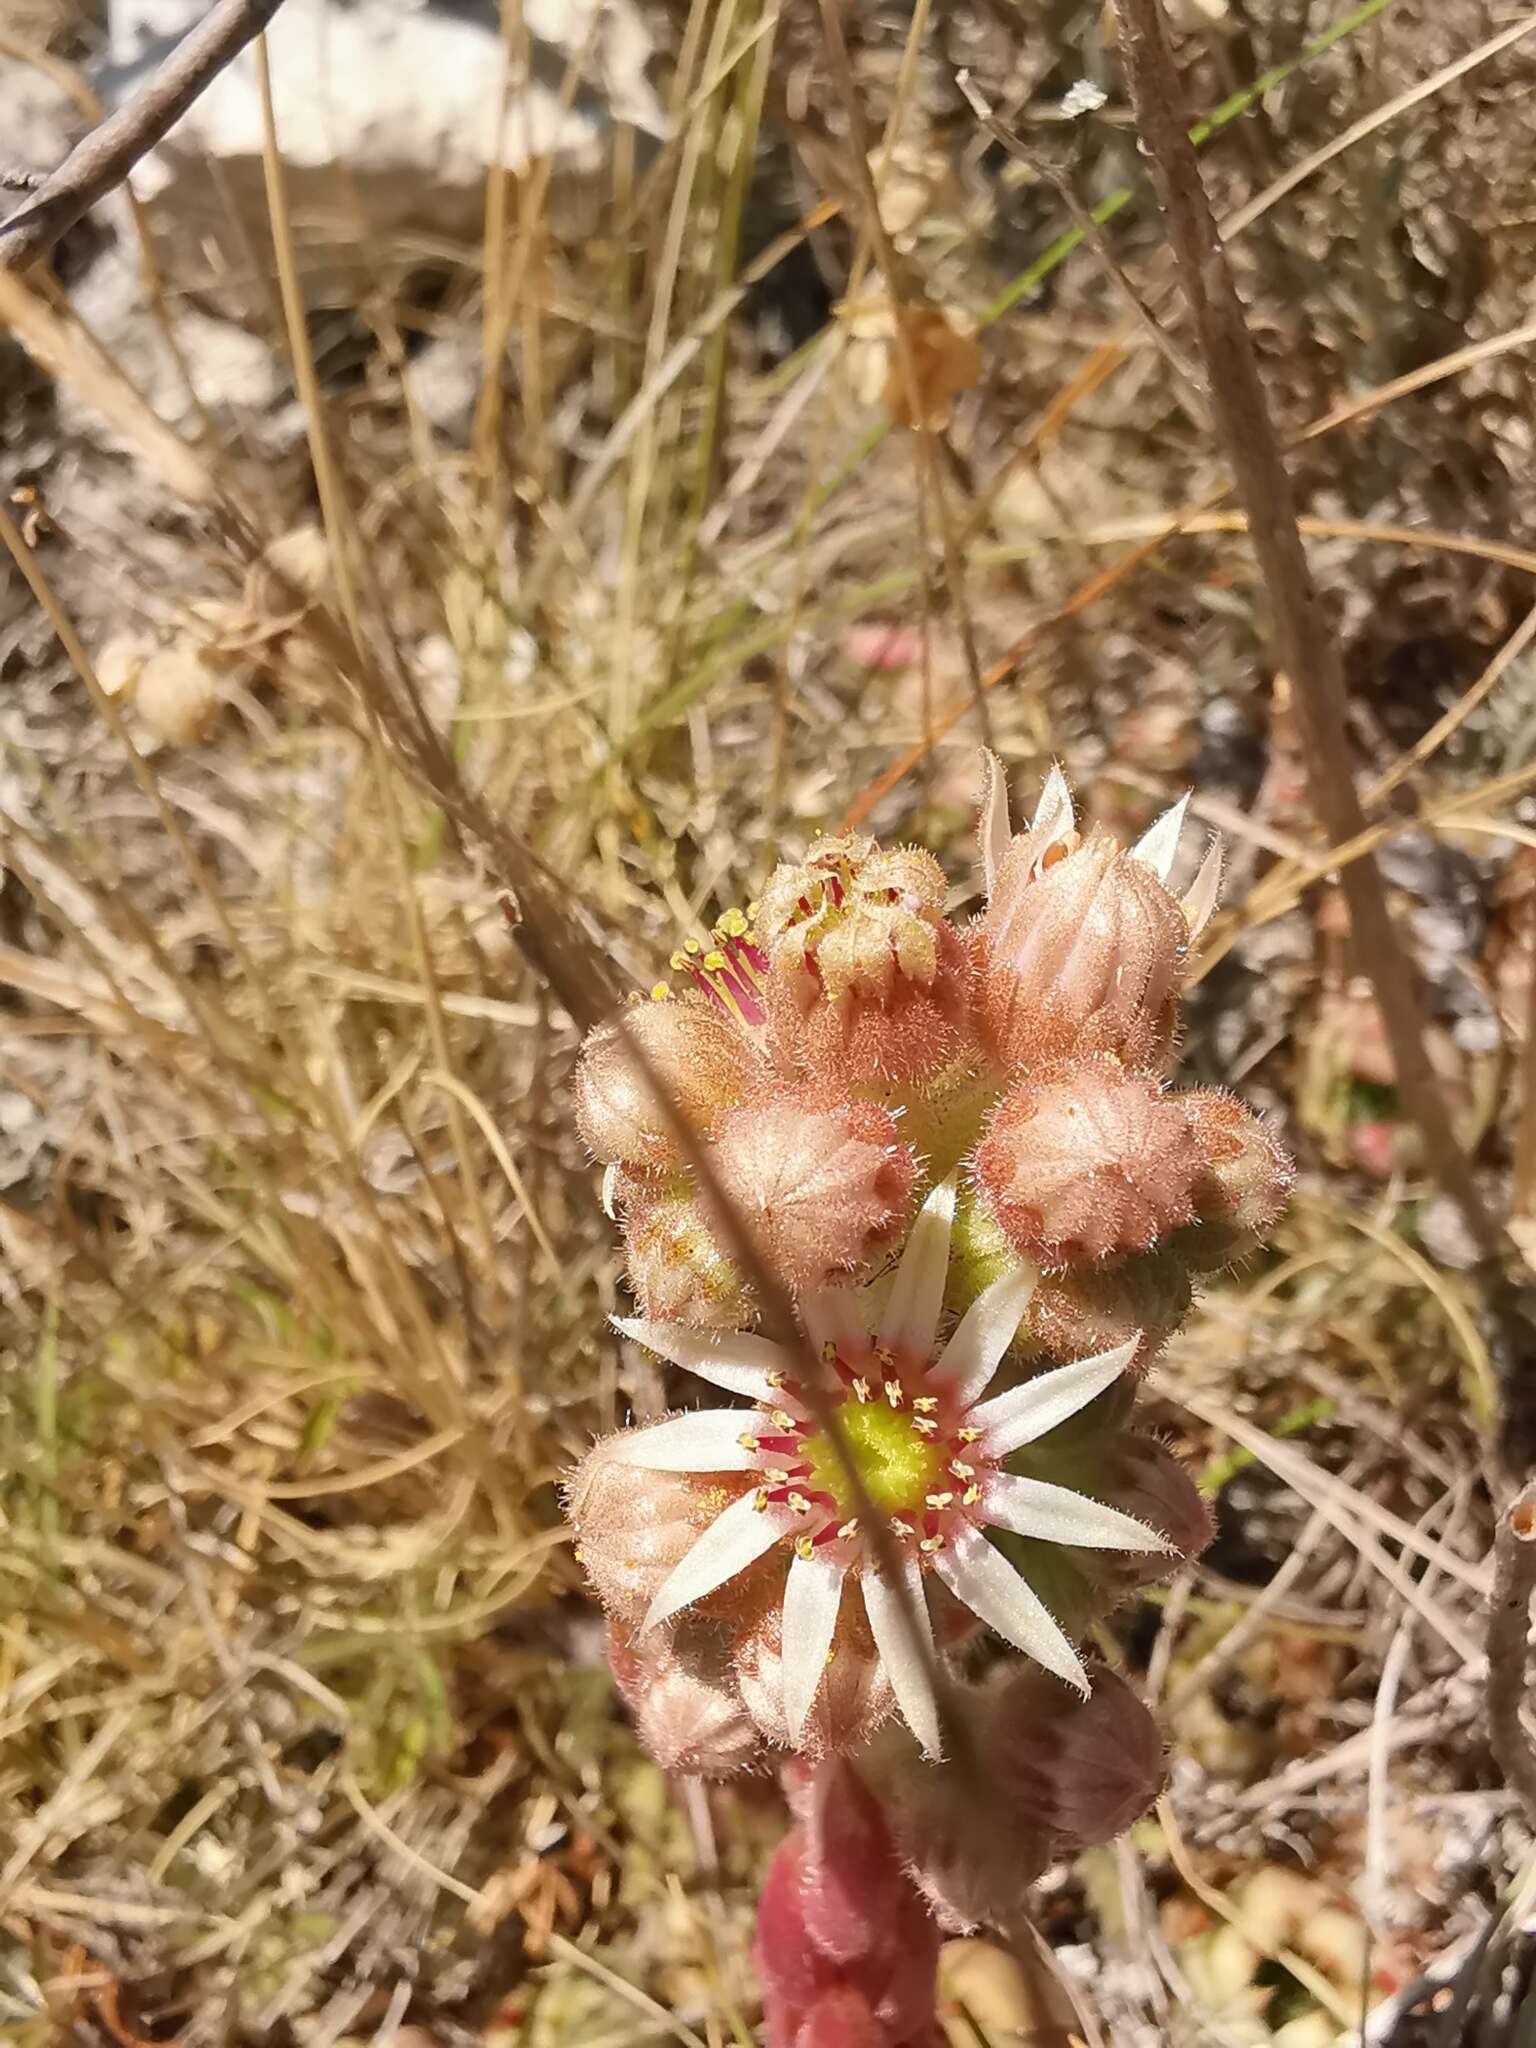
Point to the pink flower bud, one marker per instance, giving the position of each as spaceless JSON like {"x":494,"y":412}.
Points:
{"x":851,"y":1702}
{"x":1086,"y":1161}
{"x":687,"y":1713}
{"x":676,"y":1266}
{"x":1081,"y":1769}
{"x":1080,"y":951}
{"x":633,"y":1525}
{"x":820,"y":1182}
{"x":866,"y":978}
{"x":697,"y":1056}
{"x":1150,"y":1482}
{"x":1245,"y":1182}
{"x":1094,"y":1308}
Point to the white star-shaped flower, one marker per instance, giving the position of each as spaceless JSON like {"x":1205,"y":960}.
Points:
{"x":929,"y":1448}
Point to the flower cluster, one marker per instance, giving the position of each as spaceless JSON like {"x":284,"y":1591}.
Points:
{"x":954,"y":1150}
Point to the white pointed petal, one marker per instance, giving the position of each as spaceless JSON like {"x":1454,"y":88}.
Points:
{"x":993,"y":828}
{"x":735,"y":1539}
{"x":907,"y":1663}
{"x":833,"y":1317}
{"x":917,"y":1295}
{"x":1011,"y":1420}
{"x":1031,"y":1507}
{"x":1160,"y":842}
{"x":1053,"y":813}
{"x":971,"y":1357}
{"x":1204,"y":890}
{"x":609,"y":1197}
{"x":811,"y":1596}
{"x":728,"y":1359}
{"x":709,"y":1440}
{"x":984,"y":1580}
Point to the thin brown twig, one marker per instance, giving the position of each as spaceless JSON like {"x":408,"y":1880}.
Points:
{"x":1509,"y":1624}
{"x":1304,"y":648}
{"x":1056,"y":171}
{"x":99,"y":164}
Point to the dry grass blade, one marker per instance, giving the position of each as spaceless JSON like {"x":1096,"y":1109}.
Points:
{"x":1509,"y":1628}
{"x":1305,"y":648}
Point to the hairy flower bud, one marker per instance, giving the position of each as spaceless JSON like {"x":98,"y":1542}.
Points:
{"x":1151,"y":1483}
{"x":1086,"y":1161}
{"x":676,"y":1265}
{"x":972,"y":1858}
{"x":1244,"y":1184}
{"x":819,"y":1181}
{"x":866,"y":978}
{"x":1093,"y":1308}
{"x":687,"y":1712}
{"x":1081,"y":950}
{"x":1080,"y":1769}
{"x":634,"y":1525}
{"x":698,"y":1058}
{"x":851,"y":1702}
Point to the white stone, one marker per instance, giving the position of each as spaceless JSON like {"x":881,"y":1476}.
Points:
{"x":389,"y":113}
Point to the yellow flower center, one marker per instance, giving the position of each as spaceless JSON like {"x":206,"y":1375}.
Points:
{"x":897,"y":1463}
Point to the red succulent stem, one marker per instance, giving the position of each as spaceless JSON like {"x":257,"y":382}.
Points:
{"x":846,"y":1947}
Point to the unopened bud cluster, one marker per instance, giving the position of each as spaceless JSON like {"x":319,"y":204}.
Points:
{"x":955,"y":1148}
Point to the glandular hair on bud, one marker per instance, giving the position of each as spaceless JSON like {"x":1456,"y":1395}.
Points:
{"x":1095,"y":1308}
{"x":820,"y":1182}
{"x":1151,"y":1482}
{"x":696,"y":1056}
{"x":634,"y":1525}
{"x":1083,"y":955}
{"x":1244,"y":1180}
{"x":1086,"y":1160}
{"x":677,"y":1267}
{"x":686,"y":1708}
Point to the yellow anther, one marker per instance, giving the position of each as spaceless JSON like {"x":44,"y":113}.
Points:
{"x":776,"y":1476}
{"x":760,"y":1504}
{"x":931,"y":1545}
{"x":775,"y":1380}
{"x":895,"y":1393}
{"x":690,"y":945}
{"x":732,"y":925}
{"x":961,"y":1470}
{"x":939,"y":1501}
{"x":850,"y":1528}
{"x":752,"y":910}
{"x":715,"y":962}
{"x":861,"y":1390}
{"x":805,"y":1548}
{"x":971,"y":1495}
{"x":926,"y":1404}
{"x":782,"y":1419}
{"x":748,"y":1443}
{"x":660,"y":992}
{"x":799,"y":1503}
{"x":679,"y":963}
{"x":925,"y":1425}
{"x":968,"y":1436}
